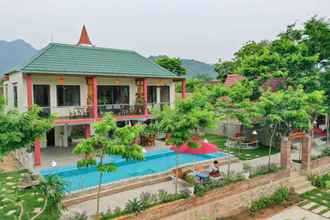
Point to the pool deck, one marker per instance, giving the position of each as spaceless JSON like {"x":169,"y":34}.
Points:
{"x":64,"y":156}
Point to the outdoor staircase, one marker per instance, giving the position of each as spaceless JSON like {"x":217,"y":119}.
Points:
{"x":300,"y":183}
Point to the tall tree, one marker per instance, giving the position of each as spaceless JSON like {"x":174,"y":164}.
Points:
{"x":172,"y":64}
{"x":290,"y":110}
{"x":185,"y":120}
{"x":96,"y":148}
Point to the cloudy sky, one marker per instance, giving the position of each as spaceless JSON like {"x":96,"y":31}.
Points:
{"x":199,"y":29}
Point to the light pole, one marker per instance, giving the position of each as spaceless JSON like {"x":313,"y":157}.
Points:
{"x":255,"y":132}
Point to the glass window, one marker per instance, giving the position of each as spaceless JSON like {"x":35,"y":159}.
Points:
{"x":68,"y":95}
{"x":165,"y":94}
{"x":15,"y":94}
{"x":41,"y":95}
{"x":113,"y":95}
{"x":152,"y":94}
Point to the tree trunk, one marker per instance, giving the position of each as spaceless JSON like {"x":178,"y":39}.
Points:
{"x":41,"y":211}
{"x":229,"y":162}
{"x":270,"y":146}
{"x":99,"y":190}
{"x":327,"y":125}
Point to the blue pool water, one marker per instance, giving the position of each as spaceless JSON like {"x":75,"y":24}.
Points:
{"x":154,"y":162}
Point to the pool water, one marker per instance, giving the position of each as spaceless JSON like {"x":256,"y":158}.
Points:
{"x":154,"y":162}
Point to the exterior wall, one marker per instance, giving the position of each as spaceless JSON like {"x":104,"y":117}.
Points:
{"x":320,"y":166}
{"x":217,"y":203}
{"x":16,"y":78}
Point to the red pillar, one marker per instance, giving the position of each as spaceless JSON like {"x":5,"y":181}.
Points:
{"x":183,"y":90}
{"x":145,"y":96}
{"x":94,"y":86}
{"x":87,"y":131}
{"x":37,"y":144}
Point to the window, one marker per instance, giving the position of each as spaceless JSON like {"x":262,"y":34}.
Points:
{"x":15,"y":94}
{"x":113,"y":95}
{"x":165,"y":94}
{"x":152,"y":94}
{"x":68,"y":95}
{"x":41,"y":95}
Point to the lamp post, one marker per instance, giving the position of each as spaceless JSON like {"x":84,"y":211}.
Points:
{"x":255,"y":132}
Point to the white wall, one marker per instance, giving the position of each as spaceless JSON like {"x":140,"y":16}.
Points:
{"x":16,"y":78}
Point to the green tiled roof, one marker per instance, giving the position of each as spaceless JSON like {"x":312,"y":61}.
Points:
{"x":71,"y":59}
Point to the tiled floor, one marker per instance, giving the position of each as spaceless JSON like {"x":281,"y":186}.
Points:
{"x":296,"y":213}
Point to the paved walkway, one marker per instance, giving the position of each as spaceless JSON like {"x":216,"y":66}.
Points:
{"x":296,"y":213}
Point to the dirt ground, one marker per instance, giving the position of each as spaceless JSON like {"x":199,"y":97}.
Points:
{"x":9,"y":163}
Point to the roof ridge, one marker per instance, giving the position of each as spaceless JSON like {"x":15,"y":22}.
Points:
{"x":92,"y":47}
{"x":155,"y":64}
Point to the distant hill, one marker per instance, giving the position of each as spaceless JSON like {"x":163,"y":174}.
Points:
{"x":195,"y":68}
{"x":13,"y":53}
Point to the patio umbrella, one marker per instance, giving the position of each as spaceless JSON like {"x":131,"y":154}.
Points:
{"x":204,"y":148}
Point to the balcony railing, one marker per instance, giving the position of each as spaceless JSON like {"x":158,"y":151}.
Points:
{"x":160,"y":106}
{"x":69,"y":112}
{"x":121,"y":109}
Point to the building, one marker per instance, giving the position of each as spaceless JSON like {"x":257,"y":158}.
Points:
{"x":79,"y":83}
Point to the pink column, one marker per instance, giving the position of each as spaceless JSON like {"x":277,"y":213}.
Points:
{"x":37,"y":144}
{"x":183,"y":89}
{"x":94,"y":85}
{"x":87,"y":131}
{"x":145,"y":96}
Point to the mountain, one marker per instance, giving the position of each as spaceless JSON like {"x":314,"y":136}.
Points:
{"x":195,"y":68}
{"x":13,"y":53}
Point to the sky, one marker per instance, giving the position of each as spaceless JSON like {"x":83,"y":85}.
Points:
{"x":203,"y":30}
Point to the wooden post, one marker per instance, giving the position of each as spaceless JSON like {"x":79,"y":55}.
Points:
{"x":94,"y":99}
{"x":145,"y":96}
{"x":183,"y":89}
{"x":285,"y":153}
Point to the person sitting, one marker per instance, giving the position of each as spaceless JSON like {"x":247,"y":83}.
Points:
{"x":214,"y":170}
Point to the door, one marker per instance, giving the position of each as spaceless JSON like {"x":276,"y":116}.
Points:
{"x":51,"y":138}
{"x":41,"y":96}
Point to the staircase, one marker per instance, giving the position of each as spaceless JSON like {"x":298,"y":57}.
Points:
{"x":300,"y":183}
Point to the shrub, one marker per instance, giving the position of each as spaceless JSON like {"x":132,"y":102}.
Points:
{"x":320,"y":181}
{"x":190,"y":179}
{"x":134,"y":206}
{"x":264,"y":169}
{"x":281,"y":195}
{"x":79,"y":216}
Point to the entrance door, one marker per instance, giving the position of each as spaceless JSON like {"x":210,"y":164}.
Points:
{"x":41,"y":96}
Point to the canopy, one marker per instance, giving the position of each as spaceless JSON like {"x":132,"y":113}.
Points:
{"x":205,"y":148}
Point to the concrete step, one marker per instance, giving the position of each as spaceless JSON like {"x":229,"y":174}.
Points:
{"x":298,"y":179}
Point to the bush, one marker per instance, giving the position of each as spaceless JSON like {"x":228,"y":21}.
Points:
{"x":264,"y":169}
{"x":134,"y":206}
{"x":281,"y":195}
{"x":79,"y":216}
{"x":320,"y":181}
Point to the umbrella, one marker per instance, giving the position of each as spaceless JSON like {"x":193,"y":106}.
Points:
{"x":204,"y":148}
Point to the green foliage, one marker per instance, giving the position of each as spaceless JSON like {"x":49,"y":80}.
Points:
{"x":19,"y":130}
{"x":224,"y":68}
{"x":201,"y":188}
{"x":52,"y":189}
{"x":281,"y":195}
{"x":290,"y":110}
{"x":264,"y":169}
{"x":320,"y":181}
{"x":146,"y":200}
{"x":79,"y":216}
{"x":172,"y":64}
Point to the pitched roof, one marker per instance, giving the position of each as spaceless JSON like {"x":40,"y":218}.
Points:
{"x":233,"y":78}
{"x":86,"y":60}
{"x":84,"y":38}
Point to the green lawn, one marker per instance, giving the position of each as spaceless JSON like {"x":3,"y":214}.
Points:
{"x":11,"y":195}
{"x":321,"y":197}
{"x":242,"y":154}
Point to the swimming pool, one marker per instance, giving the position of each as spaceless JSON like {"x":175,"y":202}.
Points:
{"x":154,"y":162}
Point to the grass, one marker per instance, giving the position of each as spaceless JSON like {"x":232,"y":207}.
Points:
{"x":242,"y":154}
{"x":318,"y":196}
{"x":11,"y":195}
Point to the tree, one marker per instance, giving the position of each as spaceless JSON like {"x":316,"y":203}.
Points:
{"x":185,"y":120}
{"x":224,"y":68}
{"x":97,"y":147}
{"x":19,"y":130}
{"x":290,"y":110}
{"x":172,"y":64}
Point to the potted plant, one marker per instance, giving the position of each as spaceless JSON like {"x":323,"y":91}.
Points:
{"x":148,"y":136}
